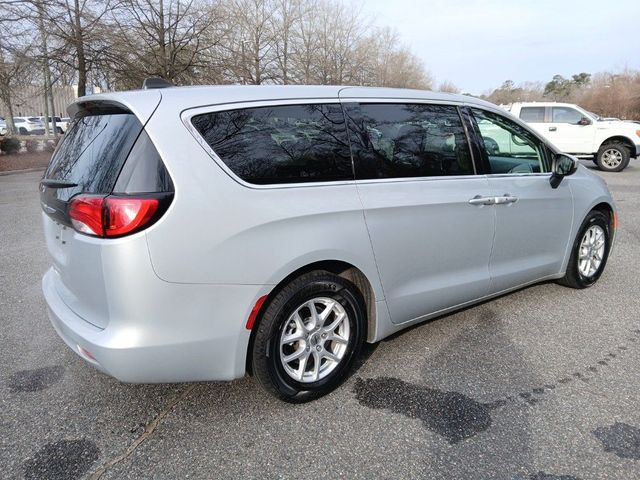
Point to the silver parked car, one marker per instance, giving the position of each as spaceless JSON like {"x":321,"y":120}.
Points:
{"x":203,"y":233}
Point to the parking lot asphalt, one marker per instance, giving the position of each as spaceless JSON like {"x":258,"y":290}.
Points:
{"x":543,"y":383}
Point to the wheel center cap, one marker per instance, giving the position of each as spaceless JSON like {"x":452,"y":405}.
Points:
{"x":314,"y":338}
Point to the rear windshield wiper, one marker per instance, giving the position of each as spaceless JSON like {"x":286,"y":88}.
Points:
{"x":57,"y":183}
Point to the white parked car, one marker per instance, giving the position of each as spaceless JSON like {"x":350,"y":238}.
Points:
{"x":609,"y":143}
{"x":61,"y":124}
{"x":3,"y":126}
{"x":28,"y":125}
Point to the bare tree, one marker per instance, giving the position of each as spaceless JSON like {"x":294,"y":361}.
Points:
{"x":448,"y":87}
{"x":283,"y":24}
{"x":117,"y":43}
{"x":77,"y":24}
{"x":158,"y":38}
{"x":252,"y":42}
{"x":16,"y":62}
{"x":613,"y":94}
{"x":16,"y":70}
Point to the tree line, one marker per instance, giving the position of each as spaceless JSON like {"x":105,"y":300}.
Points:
{"x":115,"y":44}
{"x":609,"y":94}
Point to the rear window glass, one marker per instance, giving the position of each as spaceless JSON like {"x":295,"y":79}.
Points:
{"x":282,"y":144}
{"x":532,"y":114}
{"x":93,"y":151}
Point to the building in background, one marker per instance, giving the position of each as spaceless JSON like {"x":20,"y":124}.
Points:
{"x":28,"y":101}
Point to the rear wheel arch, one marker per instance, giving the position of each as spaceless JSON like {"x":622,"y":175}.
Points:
{"x":337,"y":267}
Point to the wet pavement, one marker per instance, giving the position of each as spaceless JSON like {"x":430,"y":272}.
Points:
{"x":539,"y":384}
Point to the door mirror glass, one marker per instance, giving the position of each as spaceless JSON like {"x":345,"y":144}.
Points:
{"x":562,"y":166}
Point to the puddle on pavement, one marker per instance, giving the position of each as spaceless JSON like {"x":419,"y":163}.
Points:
{"x":620,"y":439}
{"x":62,"y":460}
{"x":452,"y":415}
{"x":36,"y":379}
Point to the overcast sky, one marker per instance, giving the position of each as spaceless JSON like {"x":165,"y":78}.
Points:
{"x":477,"y":44}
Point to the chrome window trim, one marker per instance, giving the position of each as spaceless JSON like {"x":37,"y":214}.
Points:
{"x":187,"y":114}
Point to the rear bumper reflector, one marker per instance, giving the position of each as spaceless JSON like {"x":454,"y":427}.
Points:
{"x":255,"y":311}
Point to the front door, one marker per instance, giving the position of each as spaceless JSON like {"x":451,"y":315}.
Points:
{"x":568,"y":133}
{"x":533,"y":220}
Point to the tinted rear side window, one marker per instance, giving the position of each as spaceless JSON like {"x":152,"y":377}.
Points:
{"x":282,"y":144}
{"x":532,"y":114}
{"x":144,"y":170}
{"x":93,"y":152}
{"x":408,"y":140}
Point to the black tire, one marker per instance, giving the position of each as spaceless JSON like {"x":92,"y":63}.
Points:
{"x":268,"y":367}
{"x":573,"y":277}
{"x":623,"y":151}
{"x":59,"y":130}
{"x":23,"y":131}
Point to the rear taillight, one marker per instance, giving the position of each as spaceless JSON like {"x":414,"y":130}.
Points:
{"x":85,"y":212}
{"x":115,"y":216}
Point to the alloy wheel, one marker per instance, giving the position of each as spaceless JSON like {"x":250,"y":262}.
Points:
{"x":591,"y":251}
{"x":314,"y":339}
{"x":612,"y":158}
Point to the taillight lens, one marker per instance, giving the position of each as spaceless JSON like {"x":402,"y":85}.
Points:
{"x":115,"y":216}
{"x":85,"y":212}
{"x":127,"y":215}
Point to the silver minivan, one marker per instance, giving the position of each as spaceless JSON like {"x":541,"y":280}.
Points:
{"x":203,"y":233}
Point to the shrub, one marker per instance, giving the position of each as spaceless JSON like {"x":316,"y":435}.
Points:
{"x":50,"y":145}
{"x":10,"y":145}
{"x":32,"y":146}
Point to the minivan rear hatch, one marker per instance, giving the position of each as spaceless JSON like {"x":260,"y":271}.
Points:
{"x":105,"y":154}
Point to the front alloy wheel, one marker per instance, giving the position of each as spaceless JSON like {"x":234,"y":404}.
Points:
{"x":590,"y":251}
{"x":613,"y":157}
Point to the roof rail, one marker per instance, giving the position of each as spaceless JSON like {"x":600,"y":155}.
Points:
{"x":155,"y":82}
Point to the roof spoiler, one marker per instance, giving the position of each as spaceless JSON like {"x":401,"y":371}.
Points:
{"x":156,"y":82}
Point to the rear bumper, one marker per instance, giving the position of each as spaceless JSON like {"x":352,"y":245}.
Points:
{"x":192,"y":333}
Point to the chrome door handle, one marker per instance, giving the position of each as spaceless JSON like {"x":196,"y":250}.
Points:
{"x":480,"y":200}
{"x":553,"y":129}
{"x":506,"y":198}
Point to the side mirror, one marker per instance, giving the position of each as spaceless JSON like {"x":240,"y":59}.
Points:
{"x":561,"y":166}
{"x":584,"y":121}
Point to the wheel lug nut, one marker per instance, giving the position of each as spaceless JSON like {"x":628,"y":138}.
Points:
{"x":318,"y":347}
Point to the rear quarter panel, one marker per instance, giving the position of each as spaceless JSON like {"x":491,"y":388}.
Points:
{"x":219,"y":231}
